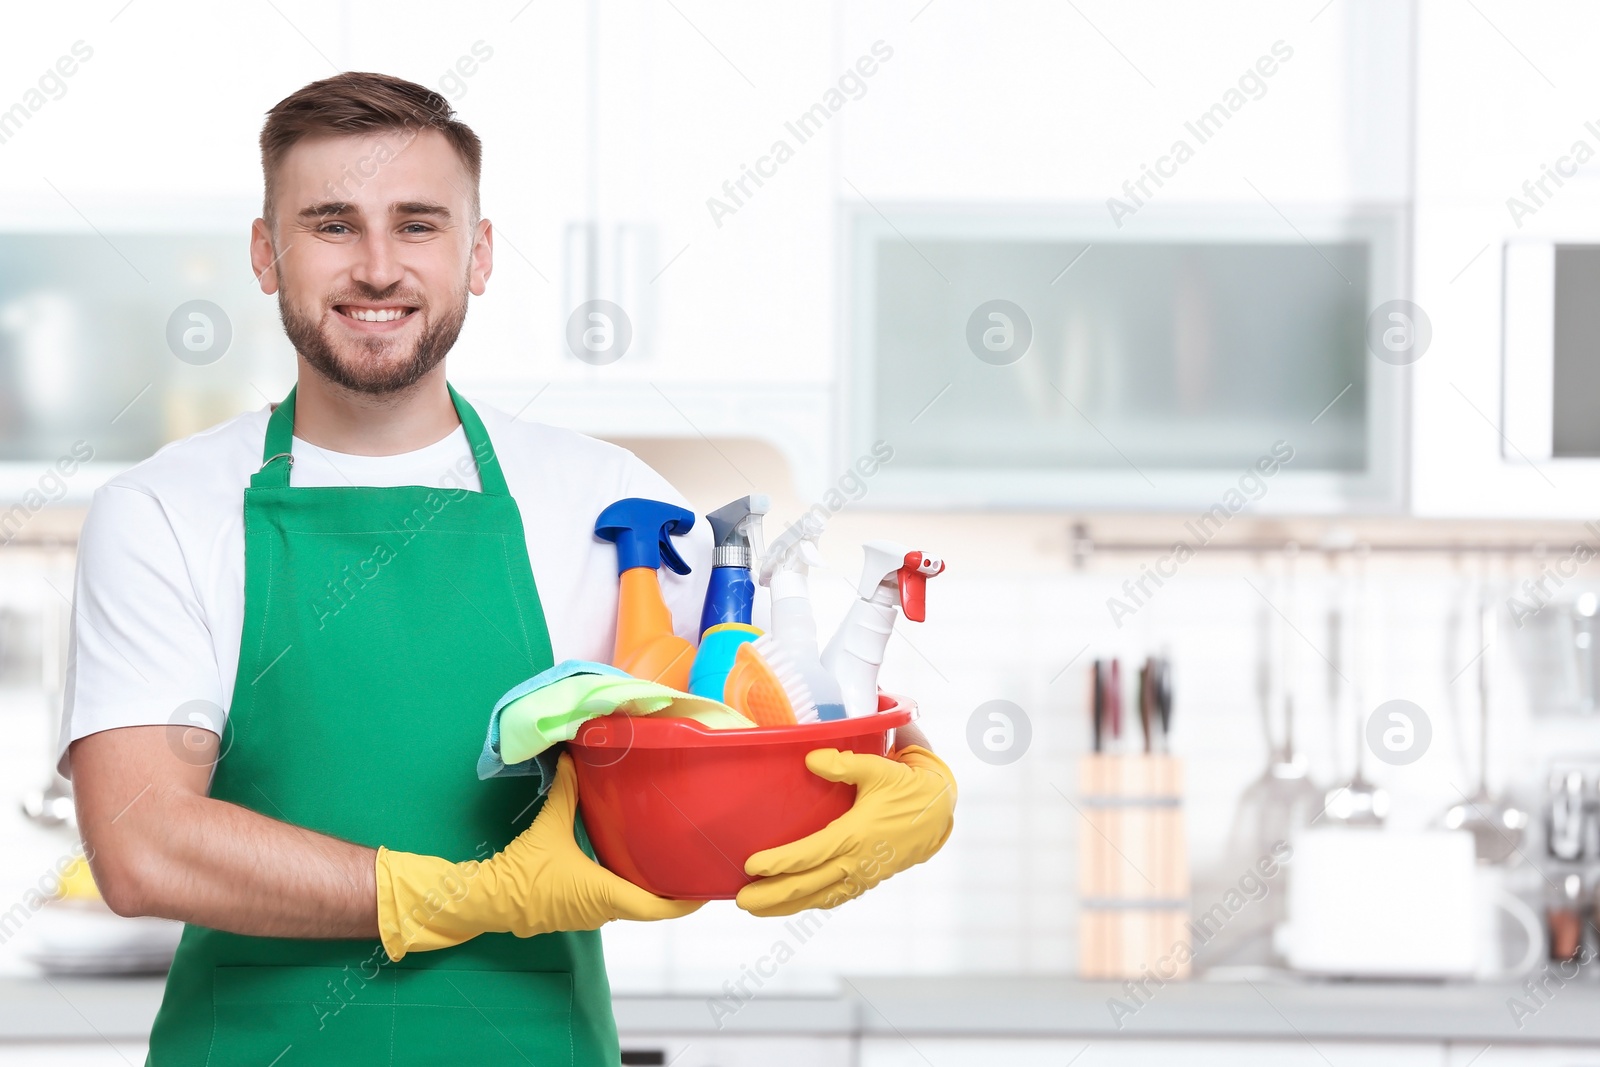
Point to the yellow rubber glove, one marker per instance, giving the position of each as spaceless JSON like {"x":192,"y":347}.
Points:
{"x":541,"y":882}
{"x":904,"y":810}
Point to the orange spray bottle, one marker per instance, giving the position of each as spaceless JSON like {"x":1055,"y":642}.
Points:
{"x":643,"y":530}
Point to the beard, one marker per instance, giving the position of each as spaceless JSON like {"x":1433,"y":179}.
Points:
{"x":376,"y":366}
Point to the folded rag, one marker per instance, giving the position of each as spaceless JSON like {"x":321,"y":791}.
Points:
{"x":530,"y":720}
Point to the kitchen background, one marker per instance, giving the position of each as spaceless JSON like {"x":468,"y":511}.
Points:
{"x":1352,"y":241}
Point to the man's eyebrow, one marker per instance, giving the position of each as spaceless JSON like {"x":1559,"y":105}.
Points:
{"x":420,"y":207}
{"x":334,"y":208}
{"x":331,"y":207}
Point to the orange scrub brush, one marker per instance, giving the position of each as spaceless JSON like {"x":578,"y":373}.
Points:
{"x":767,"y":687}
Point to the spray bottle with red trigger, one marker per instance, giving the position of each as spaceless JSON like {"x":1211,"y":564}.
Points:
{"x":893,"y":578}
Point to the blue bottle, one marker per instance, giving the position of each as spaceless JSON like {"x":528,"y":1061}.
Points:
{"x":736,"y":540}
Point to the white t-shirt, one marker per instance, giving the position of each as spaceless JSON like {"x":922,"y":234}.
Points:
{"x":160,"y":580}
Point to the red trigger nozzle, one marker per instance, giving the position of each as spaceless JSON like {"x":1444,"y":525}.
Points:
{"x":914,"y":575}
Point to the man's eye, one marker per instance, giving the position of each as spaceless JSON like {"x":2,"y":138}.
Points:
{"x":416,"y":227}
{"x":336,"y":229}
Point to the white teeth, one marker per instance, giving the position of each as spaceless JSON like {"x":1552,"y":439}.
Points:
{"x":376,"y":314}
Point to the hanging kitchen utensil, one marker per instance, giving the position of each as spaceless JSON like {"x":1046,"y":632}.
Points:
{"x":1269,"y":811}
{"x":1496,"y":825}
{"x":1360,"y":803}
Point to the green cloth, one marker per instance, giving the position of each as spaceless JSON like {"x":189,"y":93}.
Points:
{"x":533,"y":723}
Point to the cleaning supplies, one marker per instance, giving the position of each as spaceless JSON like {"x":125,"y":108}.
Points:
{"x":765,"y":687}
{"x":709,"y":674}
{"x":794,"y":627}
{"x":530,"y":720}
{"x":736,"y":537}
{"x":646,"y":645}
{"x":893,"y":576}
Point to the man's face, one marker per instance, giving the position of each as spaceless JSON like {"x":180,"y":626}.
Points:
{"x":372,"y":255}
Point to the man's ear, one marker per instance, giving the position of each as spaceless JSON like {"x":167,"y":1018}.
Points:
{"x":482,"y":257}
{"x":263,"y":257}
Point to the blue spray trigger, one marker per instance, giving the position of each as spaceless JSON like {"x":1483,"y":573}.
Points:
{"x":643,"y":530}
{"x":669,"y":555}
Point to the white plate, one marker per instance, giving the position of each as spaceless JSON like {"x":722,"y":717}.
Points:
{"x":83,"y":937}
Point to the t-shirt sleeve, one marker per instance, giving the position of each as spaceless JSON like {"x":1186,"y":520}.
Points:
{"x":684,"y":593}
{"x":140,"y":653}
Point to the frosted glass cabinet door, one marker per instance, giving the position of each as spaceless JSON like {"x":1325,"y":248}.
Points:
{"x":1039,"y":362}
{"x":111,"y":347}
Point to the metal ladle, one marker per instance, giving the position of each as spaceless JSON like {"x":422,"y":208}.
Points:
{"x":1361,"y":803}
{"x":1282,"y":799}
{"x":1497,"y":826}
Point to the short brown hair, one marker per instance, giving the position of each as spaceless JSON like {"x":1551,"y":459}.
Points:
{"x":358,"y":102}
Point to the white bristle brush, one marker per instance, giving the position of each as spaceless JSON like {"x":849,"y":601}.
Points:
{"x":788,"y":674}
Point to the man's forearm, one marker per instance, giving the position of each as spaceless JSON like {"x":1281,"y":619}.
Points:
{"x":910,"y":735}
{"x":159,"y":846}
{"x":233,"y":869}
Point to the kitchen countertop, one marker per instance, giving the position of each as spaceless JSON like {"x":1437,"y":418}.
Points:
{"x":82,"y":1009}
{"x":975,"y":1006}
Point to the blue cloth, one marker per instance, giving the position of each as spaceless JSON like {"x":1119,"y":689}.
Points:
{"x":542,"y":766}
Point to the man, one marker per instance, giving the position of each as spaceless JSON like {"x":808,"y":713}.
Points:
{"x":357,"y":574}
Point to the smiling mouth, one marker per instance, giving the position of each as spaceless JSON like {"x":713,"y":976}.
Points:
{"x":388,"y":313}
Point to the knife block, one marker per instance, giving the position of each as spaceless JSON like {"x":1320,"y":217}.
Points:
{"x":1133,"y":867}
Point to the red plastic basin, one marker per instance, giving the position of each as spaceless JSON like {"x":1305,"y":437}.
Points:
{"x":677,"y":809}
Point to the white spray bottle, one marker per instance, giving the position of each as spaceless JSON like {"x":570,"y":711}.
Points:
{"x":794,"y":626}
{"x":893,"y":577}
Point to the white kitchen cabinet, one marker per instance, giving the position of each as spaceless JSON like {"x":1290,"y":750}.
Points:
{"x":650,"y":111}
{"x":1046,"y":102}
{"x":956,"y":196}
{"x":692,"y":103}
{"x":1056,"y":1052}
{"x":1489,"y":121}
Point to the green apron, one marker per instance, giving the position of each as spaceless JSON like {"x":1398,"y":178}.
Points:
{"x":380,"y":627}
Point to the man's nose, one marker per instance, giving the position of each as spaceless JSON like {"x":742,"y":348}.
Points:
{"x":378,"y":262}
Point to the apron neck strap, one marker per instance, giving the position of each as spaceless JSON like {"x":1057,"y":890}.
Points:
{"x":490,"y":477}
{"x":277,"y":453}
